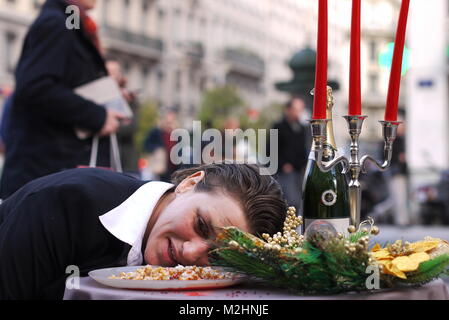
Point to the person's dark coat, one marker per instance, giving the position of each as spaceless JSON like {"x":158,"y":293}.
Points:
{"x":5,"y":117}
{"x":45,"y":110}
{"x":52,"y":223}
{"x":154,"y":140}
{"x":293,"y":143}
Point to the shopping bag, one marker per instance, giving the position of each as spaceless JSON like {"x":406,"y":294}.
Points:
{"x":116,"y":163}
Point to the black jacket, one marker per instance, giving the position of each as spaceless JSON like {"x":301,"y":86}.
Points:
{"x":45,"y":110}
{"x":52,"y":223}
{"x":293,"y":143}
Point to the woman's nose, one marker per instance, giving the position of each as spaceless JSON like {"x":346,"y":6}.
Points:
{"x":195,"y":252}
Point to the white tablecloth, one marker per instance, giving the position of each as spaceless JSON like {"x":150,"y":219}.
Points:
{"x":91,"y":290}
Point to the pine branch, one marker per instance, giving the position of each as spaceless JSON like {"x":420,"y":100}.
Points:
{"x":326,"y":267}
{"x":354,"y":237}
{"x":245,"y":263}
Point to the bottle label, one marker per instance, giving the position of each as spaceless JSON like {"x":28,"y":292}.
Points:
{"x":340,"y":224}
{"x":329,"y":198}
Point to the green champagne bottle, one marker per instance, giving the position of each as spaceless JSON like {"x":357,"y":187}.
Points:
{"x":325,"y":194}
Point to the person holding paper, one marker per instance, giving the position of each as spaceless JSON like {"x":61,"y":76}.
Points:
{"x":56,"y":58}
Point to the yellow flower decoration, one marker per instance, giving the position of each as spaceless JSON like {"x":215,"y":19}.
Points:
{"x":399,"y":258}
{"x":424,"y":246}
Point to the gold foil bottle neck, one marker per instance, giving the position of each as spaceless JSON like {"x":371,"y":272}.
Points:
{"x":330,"y":99}
{"x":330,"y":139}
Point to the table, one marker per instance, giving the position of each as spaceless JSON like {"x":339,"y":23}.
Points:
{"x":91,"y":290}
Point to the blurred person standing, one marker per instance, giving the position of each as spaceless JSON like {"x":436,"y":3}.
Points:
{"x":294,"y":144}
{"x":128,"y":151}
{"x":45,"y":110}
{"x":158,"y":144}
{"x":399,"y":179}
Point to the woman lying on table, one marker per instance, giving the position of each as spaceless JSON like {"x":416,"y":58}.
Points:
{"x":94,"y":219}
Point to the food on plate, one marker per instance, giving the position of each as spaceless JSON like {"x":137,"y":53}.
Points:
{"x":175,"y":273}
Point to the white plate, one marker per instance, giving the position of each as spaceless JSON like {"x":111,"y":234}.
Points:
{"x":102,"y":276}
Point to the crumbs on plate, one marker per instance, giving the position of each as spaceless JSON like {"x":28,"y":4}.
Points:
{"x":175,"y":273}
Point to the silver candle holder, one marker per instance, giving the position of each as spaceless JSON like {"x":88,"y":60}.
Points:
{"x":354,"y":165}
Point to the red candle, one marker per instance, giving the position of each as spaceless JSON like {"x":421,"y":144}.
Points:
{"x":391,"y":111}
{"x":320,"y":95}
{"x":355,"y":96}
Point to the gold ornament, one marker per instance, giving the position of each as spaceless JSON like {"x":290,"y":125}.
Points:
{"x":289,"y":238}
{"x":352,"y":229}
{"x":375,"y":230}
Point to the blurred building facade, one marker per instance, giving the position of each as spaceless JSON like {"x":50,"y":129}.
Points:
{"x":173,"y":50}
{"x":428,"y":98}
{"x":188,"y":46}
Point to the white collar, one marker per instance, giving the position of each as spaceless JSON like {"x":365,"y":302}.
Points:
{"x":128,"y":221}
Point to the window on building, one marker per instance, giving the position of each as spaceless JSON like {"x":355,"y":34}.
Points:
{"x":373,"y":51}
{"x":144,"y":16}
{"x":374,"y":83}
{"x":160,"y":85}
{"x":178,"y":79}
{"x":105,"y":11}
{"x":126,"y":9}
{"x":177,"y":27}
{"x":160,"y":28}
{"x":145,"y":76}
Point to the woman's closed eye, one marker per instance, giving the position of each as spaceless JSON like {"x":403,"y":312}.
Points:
{"x":201,"y":226}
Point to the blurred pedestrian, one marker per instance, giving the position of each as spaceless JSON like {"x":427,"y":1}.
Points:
{"x":399,"y":179}
{"x":45,"y":110}
{"x":158,"y":144}
{"x":128,"y":152}
{"x":293,"y":142}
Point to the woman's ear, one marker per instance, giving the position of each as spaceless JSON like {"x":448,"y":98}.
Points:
{"x":189,"y":183}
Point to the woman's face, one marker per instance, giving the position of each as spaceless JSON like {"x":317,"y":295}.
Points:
{"x":88,"y":4}
{"x":181,"y":231}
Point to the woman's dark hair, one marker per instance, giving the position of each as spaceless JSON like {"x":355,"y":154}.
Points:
{"x":259,"y":195}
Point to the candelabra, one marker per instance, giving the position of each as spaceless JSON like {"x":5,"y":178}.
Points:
{"x":354,"y":165}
